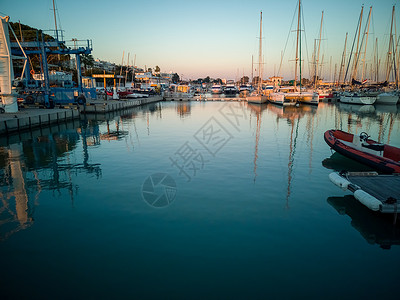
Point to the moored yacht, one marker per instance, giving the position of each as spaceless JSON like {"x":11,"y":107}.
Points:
{"x":216,"y":89}
{"x":230,"y":89}
{"x":387,"y":98}
{"x":356,"y":98}
{"x":308,"y":98}
{"x":256,"y":98}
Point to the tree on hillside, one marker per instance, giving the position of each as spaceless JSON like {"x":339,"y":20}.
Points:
{"x":244,"y":80}
{"x":87,"y":60}
{"x":157,"y":69}
{"x":256,"y":79}
{"x":175,"y":78}
{"x":217,"y":81}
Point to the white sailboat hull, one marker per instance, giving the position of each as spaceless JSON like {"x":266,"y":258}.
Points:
{"x":257,"y":99}
{"x":387,"y":98}
{"x":309,"y":98}
{"x":281,"y":99}
{"x":353,"y":99}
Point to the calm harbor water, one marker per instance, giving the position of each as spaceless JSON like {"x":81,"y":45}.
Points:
{"x":194,"y":200}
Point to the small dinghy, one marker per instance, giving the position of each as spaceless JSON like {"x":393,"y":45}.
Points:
{"x":381,"y":157}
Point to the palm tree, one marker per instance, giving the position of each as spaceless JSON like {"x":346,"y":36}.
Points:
{"x":87,"y":60}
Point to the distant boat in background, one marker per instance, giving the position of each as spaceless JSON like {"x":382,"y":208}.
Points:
{"x":216,"y":89}
{"x":230,"y":89}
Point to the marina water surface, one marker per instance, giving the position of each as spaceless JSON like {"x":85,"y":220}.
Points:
{"x":194,"y":200}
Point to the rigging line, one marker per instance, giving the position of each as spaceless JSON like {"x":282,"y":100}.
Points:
{"x":351,"y":52}
{"x":287,"y":40}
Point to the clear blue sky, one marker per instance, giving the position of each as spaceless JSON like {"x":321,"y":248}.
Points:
{"x":200,"y":38}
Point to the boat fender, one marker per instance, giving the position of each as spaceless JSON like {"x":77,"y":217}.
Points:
{"x":338,"y":180}
{"x":369,"y":201}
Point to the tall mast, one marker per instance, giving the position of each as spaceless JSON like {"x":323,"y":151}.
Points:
{"x":394,"y":66}
{"x":351,"y":51}
{"x":133,"y":70}
{"x":55,"y":19}
{"x":388,"y":68}
{"x":252,"y":69}
{"x":334,"y":75}
{"x":366,"y":43}
{"x":319,"y":47}
{"x":314,"y":55}
{"x":126,"y":71}
{"x":357,"y":48}
{"x":342,"y":63}
{"x":297,"y":46}
{"x":120,"y":71}
{"x":376,"y":60}
{"x":260,"y":57}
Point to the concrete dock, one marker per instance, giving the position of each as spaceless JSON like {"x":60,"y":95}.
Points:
{"x":105,"y":106}
{"x":28,"y":118}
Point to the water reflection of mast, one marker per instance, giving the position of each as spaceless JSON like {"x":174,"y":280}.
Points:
{"x":380,"y":131}
{"x":292,"y":151}
{"x":148,"y":124}
{"x":256,"y":146}
{"x":310,"y":138}
{"x":258,"y":111}
{"x":391,"y":123}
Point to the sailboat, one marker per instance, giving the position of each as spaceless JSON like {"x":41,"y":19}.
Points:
{"x":358,"y":97}
{"x":257,"y":96}
{"x":390,"y":97}
{"x":293,"y":94}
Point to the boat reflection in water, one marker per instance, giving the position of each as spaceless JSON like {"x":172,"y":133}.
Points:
{"x":183,"y":109}
{"x":338,"y":162}
{"x":357,"y":109}
{"x":374,"y":227}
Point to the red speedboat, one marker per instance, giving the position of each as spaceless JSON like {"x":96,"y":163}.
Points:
{"x":382,"y":157}
{"x":122,"y":94}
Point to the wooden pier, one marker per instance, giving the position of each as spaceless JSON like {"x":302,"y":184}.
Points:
{"x":377,"y":192}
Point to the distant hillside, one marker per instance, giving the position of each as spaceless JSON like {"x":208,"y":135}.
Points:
{"x":29,"y":34}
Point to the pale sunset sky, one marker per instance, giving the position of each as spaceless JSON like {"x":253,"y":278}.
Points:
{"x":209,"y":38}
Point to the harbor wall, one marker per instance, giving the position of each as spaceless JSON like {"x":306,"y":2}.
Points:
{"x":28,"y":119}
